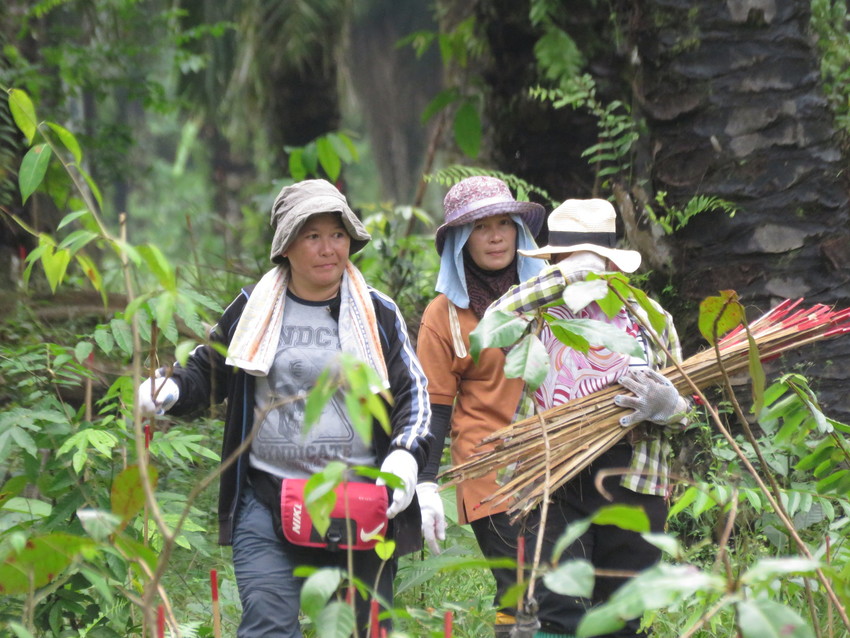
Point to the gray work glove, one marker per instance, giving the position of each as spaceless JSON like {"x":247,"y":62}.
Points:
{"x":166,"y":391}
{"x":403,"y":465}
{"x":656,"y":399}
{"x":433,"y":515}
{"x":577,"y":266}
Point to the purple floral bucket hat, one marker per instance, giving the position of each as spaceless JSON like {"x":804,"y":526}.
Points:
{"x":483,"y":196}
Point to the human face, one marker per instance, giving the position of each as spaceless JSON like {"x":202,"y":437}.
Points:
{"x":492,"y":242}
{"x":317,"y":257}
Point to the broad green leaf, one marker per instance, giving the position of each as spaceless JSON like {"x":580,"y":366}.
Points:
{"x":723,"y":312}
{"x":55,"y":264}
{"x":33,"y":168}
{"x":438,"y":103}
{"x":578,"y":332}
{"x":159,"y":266}
{"x":762,"y":618}
{"x":318,"y":589}
{"x":41,"y":560}
{"x":656,"y":588}
{"x":95,"y":191}
{"x":296,"y":165}
{"x":92,"y":273}
{"x":103,"y":338}
{"x":68,"y":140}
{"x":164,"y":310}
{"x":98,"y":524}
{"x":336,"y":620}
{"x":623,"y":516}
{"x":328,"y":158}
{"x":756,"y":374}
{"x":23,"y":112}
{"x":183,"y":350}
{"x":70,"y":217}
{"x":496,"y":330}
{"x":319,"y":495}
{"x":77,"y":240}
{"x":572,"y":578}
{"x":127,"y":496}
{"x":322,"y":392}
{"x":668,"y":544}
{"x":20,"y":630}
{"x":123,"y":335}
{"x":344,"y":147}
{"x":359,"y":416}
{"x":385,"y":549}
{"x":467,"y":129}
{"x":683,"y":502}
{"x":579,"y":295}
{"x":529,"y":361}
{"x":767,"y":570}
{"x":570,"y":535}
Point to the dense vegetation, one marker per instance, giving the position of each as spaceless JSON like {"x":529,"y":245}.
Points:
{"x":135,"y":191}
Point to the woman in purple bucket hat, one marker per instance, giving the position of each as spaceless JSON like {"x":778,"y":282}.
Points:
{"x":484,"y":227}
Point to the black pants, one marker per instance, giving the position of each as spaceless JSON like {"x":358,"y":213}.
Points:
{"x":605,"y":546}
{"x":497,"y":538}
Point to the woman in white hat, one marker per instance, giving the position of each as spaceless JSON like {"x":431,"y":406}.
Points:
{"x":280,"y":335}
{"x":484,"y":226}
{"x":582,"y":240}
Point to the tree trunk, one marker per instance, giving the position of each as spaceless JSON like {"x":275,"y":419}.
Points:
{"x":732,"y":98}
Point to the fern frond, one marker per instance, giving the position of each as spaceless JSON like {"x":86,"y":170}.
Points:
{"x":455,"y":173}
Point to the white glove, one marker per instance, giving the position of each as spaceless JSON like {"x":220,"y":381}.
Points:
{"x":166,"y":391}
{"x":433,"y":516}
{"x":577,"y":266}
{"x":656,"y":399}
{"x":403,"y":465}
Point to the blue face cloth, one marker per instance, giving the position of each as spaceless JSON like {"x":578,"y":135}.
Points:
{"x":451,"y":280}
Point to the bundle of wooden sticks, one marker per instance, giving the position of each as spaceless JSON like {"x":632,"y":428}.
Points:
{"x":578,"y":432}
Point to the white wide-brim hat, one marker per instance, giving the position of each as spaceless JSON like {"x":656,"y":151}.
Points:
{"x":586,"y":225}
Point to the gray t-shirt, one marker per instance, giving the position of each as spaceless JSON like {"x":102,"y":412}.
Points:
{"x":309,"y":343}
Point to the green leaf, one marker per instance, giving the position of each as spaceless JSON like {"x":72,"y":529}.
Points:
{"x":529,"y":361}
{"x":322,"y":392}
{"x":68,"y":141}
{"x":572,"y":578}
{"x":23,"y":112}
{"x":33,"y":169}
{"x":328,"y":158}
{"x":440,"y":101}
{"x":78,"y":240}
{"x":336,"y":620}
{"x":768,"y":570}
{"x":623,"y":516}
{"x":95,"y":191}
{"x":39,"y":562}
{"x":297,"y":169}
{"x":123,"y":335}
{"x":683,"y":502}
{"x":164,"y":309}
{"x":127,"y":496}
{"x":570,"y":535}
{"x":467,"y":129}
{"x":103,"y":338}
{"x":183,"y":350}
{"x":723,"y":312}
{"x":385,"y":549}
{"x":55,"y":263}
{"x":582,"y":333}
{"x":99,"y":524}
{"x":319,"y":495}
{"x":318,"y":589}
{"x":159,"y":266}
{"x":496,"y":330}
{"x":762,"y":618}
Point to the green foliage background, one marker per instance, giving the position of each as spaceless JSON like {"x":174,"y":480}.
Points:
{"x":124,"y":202}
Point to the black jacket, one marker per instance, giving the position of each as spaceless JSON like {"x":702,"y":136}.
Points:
{"x":206,"y":380}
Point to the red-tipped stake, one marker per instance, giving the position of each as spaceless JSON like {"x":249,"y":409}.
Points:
{"x":147,"y":435}
{"x":216,"y":608}
{"x":160,"y":622}
{"x":447,"y":624}
{"x":520,"y":558}
{"x":373,"y":619}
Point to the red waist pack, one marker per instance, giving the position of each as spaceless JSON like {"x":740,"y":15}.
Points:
{"x":367,"y":510}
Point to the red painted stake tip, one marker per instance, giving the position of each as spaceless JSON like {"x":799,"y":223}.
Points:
{"x":147,"y":435}
{"x":447,"y":624}
{"x":160,"y":622}
{"x":214,"y":584}
{"x":374,"y":627}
